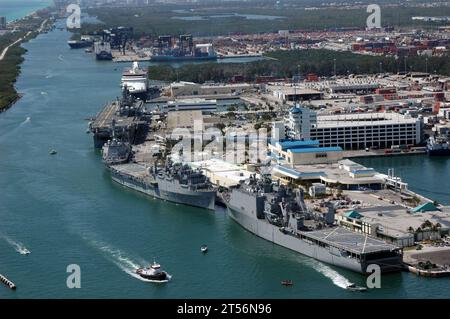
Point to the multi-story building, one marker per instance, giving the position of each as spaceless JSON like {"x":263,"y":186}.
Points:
{"x":370,"y":130}
{"x":299,"y":123}
{"x":354,"y":131}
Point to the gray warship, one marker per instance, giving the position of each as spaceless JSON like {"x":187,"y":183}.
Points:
{"x":278,"y":214}
{"x":115,"y":151}
{"x":181,"y":184}
{"x":174,"y":182}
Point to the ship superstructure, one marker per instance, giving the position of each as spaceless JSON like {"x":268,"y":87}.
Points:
{"x":135,"y":80}
{"x":102,"y":50}
{"x":438,"y":146}
{"x":181,"y":184}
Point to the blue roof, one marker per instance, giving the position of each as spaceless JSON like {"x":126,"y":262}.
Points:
{"x":353,"y":214}
{"x":298,"y":144}
{"x":295,"y":110}
{"x":316,"y":149}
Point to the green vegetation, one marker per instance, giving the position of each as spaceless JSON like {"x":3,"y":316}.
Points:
{"x":10,"y":65}
{"x":9,"y":70}
{"x":165,"y":19}
{"x":288,"y":63}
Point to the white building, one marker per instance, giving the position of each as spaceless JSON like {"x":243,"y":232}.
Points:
{"x":360,"y":131}
{"x":278,"y":131}
{"x":299,"y":123}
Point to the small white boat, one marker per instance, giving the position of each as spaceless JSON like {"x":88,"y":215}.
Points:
{"x":353,"y":287}
{"x":25,"y":251}
{"x":204,"y":249}
{"x":53,"y":152}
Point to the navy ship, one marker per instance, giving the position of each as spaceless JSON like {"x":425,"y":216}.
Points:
{"x":115,"y":151}
{"x":278,"y":214}
{"x":438,"y":146}
{"x":175,"y":183}
{"x":181,"y":184}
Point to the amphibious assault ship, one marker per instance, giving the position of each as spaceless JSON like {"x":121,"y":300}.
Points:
{"x":127,"y":114}
{"x":180,"y":184}
{"x":175,"y":183}
{"x":278,"y":214}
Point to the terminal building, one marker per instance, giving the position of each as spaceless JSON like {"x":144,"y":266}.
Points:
{"x":296,"y":152}
{"x":191,"y":89}
{"x":354,"y":131}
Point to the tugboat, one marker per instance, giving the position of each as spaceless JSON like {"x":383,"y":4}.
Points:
{"x":153,"y":273}
{"x":438,"y":146}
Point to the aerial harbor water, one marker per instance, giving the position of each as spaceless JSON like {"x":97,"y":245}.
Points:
{"x":66,"y":210}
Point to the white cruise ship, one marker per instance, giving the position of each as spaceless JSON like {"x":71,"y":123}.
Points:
{"x":136,"y":80}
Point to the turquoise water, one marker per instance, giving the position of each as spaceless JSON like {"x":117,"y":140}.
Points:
{"x":429,"y":176}
{"x":66,"y":210}
{"x":16,"y":9}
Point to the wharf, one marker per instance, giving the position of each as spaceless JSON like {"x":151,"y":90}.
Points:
{"x":439,"y":256}
{"x":379,"y":153}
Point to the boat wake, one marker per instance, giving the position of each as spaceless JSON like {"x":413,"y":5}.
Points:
{"x":18,"y":246}
{"x":124,"y":262}
{"x":27,"y":120}
{"x":330,"y":273}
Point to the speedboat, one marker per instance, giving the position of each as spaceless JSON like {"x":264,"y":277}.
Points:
{"x":204,"y":249}
{"x":52,"y":152}
{"x":153,"y":273}
{"x":353,"y":287}
{"x":25,"y":251}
